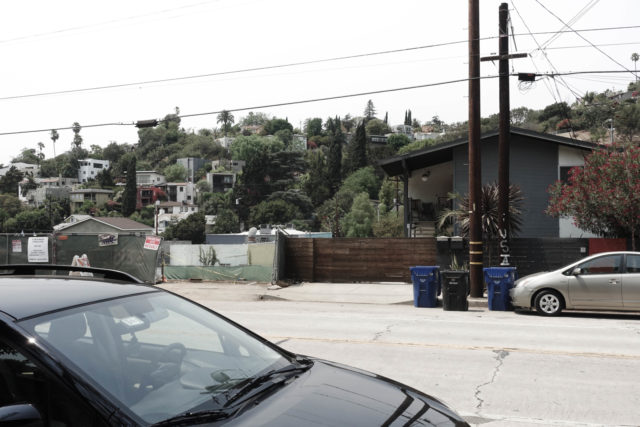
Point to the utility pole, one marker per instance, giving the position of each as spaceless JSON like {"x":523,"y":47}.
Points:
{"x":475,"y":176}
{"x":504,"y":136}
{"x":504,"y":131}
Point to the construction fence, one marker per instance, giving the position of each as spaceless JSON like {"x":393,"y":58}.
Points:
{"x":132,"y":253}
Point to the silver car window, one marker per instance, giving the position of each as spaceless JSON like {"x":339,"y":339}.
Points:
{"x":633,"y":263}
{"x":609,"y":264}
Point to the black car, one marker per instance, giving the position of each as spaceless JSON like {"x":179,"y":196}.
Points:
{"x":108,"y":350}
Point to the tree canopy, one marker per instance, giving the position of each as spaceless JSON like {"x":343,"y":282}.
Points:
{"x":603,"y":196}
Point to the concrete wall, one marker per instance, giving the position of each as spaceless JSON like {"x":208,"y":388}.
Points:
{"x":262,"y":254}
{"x":232,"y":255}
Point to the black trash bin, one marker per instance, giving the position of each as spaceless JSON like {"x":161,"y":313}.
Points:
{"x":455,"y":288}
{"x":426,"y":285}
{"x":499,"y":281}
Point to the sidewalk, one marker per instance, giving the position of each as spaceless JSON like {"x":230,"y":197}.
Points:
{"x":353,"y":293}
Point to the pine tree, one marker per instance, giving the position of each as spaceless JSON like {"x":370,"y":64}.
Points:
{"x":129,"y":195}
{"x":369,"y":111}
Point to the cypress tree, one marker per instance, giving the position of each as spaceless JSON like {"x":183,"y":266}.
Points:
{"x":334,"y":161}
{"x":359,"y":150}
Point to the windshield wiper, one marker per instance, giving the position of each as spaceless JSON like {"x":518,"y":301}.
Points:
{"x":257,"y":385}
{"x":190,"y":418}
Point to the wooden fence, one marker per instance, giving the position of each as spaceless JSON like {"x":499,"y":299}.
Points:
{"x":389,"y":260}
{"x":356,"y":260}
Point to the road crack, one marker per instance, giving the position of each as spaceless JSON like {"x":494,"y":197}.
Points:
{"x":500,"y":356}
{"x":387,"y":330}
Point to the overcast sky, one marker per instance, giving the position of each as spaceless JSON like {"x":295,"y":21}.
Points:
{"x":59,"y":46}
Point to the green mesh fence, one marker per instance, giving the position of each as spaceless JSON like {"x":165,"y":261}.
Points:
{"x":254,"y":273}
{"x":125,"y":252}
{"x":15,"y":249}
{"x":128,"y":255}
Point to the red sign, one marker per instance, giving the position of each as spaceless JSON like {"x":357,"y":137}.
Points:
{"x":152,"y":243}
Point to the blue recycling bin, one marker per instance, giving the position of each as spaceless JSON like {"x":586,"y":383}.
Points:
{"x":499,"y":281}
{"x":426,"y":285}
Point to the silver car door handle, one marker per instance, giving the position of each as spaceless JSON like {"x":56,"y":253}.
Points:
{"x":613,"y":282}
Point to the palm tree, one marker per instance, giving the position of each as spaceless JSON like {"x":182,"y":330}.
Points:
{"x":489,"y":218}
{"x":77,"y":139}
{"x":634,"y":58}
{"x":40,"y":155}
{"x":226,"y":118}
{"x":54,"y":138}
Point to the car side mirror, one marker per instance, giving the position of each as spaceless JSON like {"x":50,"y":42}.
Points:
{"x":20,"y":415}
{"x":576,"y":271}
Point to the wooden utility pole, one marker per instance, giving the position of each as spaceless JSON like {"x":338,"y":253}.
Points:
{"x":504,"y":136}
{"x":504,"y":129}
{"x":475,"y":175}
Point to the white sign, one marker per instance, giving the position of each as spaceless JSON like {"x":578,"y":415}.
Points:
{"x":38,"y":249}
{"x":107,"y":239}
{"x":152,"y":243}
{"x":16,"y":245}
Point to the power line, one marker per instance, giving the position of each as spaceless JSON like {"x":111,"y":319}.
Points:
{"x":100,"y":24}
{"x":270,"y":67}
{"x":546,"y":83}
{"x":573,"y":20}
{"x":583,"y":38}
{"x":306,"y":101}
{"x":329,"y":98}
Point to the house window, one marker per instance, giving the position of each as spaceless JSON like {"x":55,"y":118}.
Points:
{"x":564,"y":173}
{"x":181,"y":189}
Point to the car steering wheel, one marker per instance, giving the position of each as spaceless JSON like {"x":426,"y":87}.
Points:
{"x":163,"y":369}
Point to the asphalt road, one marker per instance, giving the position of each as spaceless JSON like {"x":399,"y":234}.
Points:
{"x":495,"y":368}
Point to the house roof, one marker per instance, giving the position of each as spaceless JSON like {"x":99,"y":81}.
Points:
{"x":92,"y":190}
{"x":123,"y":224}
{"x":441,"y":153}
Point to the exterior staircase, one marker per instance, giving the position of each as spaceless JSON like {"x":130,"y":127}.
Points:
{"x":423,"y":229}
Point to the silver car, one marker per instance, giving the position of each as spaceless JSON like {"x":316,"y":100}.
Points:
{"x":605,"y":281}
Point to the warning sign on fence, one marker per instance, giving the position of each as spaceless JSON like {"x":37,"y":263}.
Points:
{"x":16,"y":245}
{"x":152,"y":243}
{"x":38,"y":249}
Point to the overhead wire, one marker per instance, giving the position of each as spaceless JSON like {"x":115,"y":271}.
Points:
{"x":311,"y":100}
{"x":583,"y":38}
{"x":573,"y":20}
{"x":102,"y":24}
{"x":546,"y":83}
{"x":277,"y":66}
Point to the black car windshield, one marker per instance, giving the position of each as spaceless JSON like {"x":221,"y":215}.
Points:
{"x":156,"y":354}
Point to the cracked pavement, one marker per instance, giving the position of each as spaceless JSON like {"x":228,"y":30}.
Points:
{"x":501,"y":355}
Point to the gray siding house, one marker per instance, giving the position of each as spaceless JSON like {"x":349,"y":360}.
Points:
{"x":89,"y":224}
{"x":537,"y":160}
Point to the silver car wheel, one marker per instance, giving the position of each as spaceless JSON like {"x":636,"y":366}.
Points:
{"x":548,"y":303}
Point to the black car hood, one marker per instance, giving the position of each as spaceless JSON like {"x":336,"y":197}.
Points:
{"x":331,"y":394}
